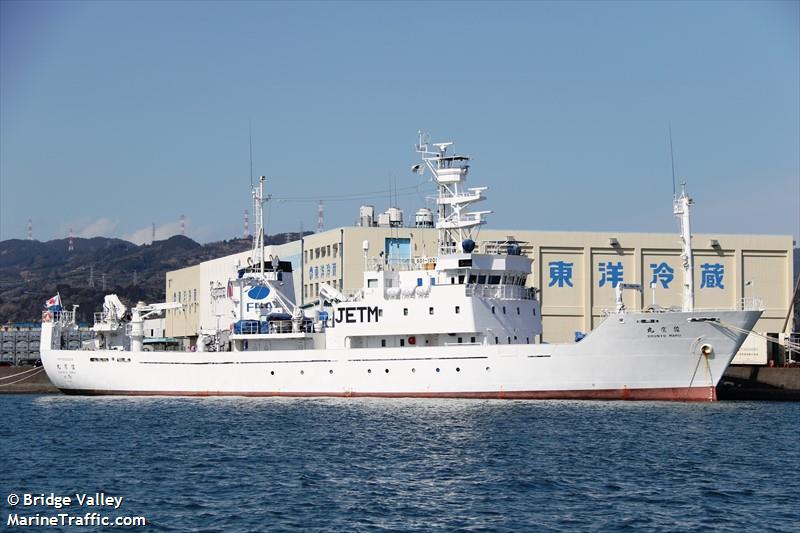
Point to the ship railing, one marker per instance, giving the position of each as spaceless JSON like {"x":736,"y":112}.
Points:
{"x":64,"y":317}
{"x":500,"y":292}
{"x":107,"y":317}
{"x":273,"y":326}
{"x":501,"y":247}
{"x":742,"y":304}
{"x":351,"y":295}
{"x":392,"y":264}
{"x":751,"y":303}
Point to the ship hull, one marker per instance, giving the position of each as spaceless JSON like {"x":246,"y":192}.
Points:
{"x":648,"y":356}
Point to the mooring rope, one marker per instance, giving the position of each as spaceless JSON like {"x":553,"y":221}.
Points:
{"x":794,"y":346}
{"x":23,"y":379}
{"x":20,"y":373}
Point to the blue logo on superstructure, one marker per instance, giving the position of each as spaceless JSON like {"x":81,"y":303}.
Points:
{"x":259,"y":292}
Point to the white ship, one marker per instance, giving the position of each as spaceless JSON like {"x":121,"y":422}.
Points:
{"x":461,"y":324}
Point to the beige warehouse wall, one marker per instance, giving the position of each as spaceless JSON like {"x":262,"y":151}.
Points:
{"x":741,"y":266}
{"x":183,"y":286}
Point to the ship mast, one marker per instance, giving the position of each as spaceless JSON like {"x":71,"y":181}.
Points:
{"x":681,"y":207}
{"x":449,"y":172}
{"x":258,"y":235}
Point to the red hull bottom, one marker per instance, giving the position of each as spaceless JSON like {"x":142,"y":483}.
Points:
{"x":679,"y":394}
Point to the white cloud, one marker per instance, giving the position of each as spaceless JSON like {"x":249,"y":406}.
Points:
{"x":145,"y":235}
{"x":102,"y":227}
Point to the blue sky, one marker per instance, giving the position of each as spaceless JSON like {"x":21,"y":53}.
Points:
{"x":117,"y":115}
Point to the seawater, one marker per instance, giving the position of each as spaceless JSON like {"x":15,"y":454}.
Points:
{"x":276,"y":464}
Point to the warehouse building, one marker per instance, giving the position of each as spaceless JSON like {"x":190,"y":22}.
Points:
{"x":576,"y":272}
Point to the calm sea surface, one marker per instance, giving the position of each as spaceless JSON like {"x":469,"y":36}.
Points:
{"x":407,"y":465}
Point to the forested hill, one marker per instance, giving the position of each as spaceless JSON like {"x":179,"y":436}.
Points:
{"x":33,"y":271}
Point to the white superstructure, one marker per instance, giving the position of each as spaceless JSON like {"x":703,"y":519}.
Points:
{"x":460,"y":323}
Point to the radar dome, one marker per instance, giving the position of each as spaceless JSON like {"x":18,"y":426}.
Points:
{"x":468,"y":245}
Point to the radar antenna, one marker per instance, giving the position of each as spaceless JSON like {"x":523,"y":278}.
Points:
{"x":456,"y":225}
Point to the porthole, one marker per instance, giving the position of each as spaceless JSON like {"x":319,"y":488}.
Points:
{"x":387,"y":370}
{"x":369,"y":371}
{"x":271,"y":372}
{"x":330,"y":371}
{"x":488,"y":368}
{"x":458,"y":369}
{"x":438,"y":370}
{"x":302,"y":372}
{"x":413,"y":370}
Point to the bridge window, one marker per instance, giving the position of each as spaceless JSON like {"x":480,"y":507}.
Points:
{"x":460,"y":340}
{"x":472,"y":340}
{"x":494,"y":280}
